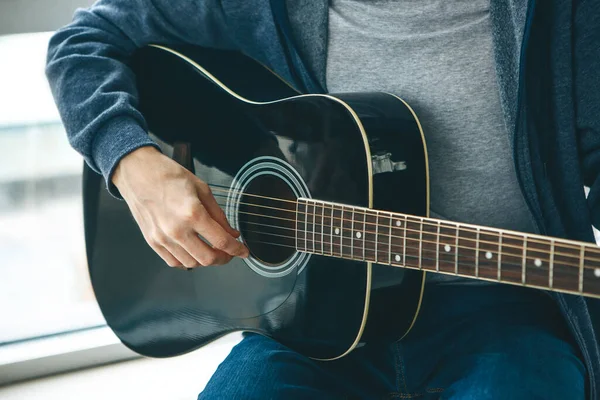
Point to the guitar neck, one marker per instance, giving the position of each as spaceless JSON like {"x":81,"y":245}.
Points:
{"x":446,"y":247}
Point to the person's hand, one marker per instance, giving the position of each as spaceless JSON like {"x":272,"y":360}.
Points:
{"x":172,"y":207}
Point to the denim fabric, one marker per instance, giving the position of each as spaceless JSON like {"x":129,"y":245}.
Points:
{"x":491,"y":342}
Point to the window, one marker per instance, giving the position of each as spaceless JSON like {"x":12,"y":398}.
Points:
{"x":44,"y":283}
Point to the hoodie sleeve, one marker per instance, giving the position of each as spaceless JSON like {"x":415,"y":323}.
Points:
{"x":587,"y":95}
{"x":92,"y":85}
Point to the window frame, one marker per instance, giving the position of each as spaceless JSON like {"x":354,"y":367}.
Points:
{"x":38,"y":357}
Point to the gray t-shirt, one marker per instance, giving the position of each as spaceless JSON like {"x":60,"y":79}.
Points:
{"x":438,"y":56}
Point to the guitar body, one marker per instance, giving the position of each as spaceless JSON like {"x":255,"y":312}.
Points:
{"x":253,"y":137}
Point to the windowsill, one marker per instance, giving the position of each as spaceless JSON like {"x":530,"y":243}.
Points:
{"x":60,"y":353}
{"x":177,"y":378}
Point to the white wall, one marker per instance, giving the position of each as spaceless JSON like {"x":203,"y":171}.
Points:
{"x":20,"y":16}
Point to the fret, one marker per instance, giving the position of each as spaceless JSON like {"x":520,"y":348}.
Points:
{"x":488,"y":254}
{"x":566,"y":267}
{"x":437,"y":249}
{"x":524,"y":262}
{"x":467,"y":244}
{"x":306,"y":225}
{"x":412,"y":239}
{"x":346,"y":234}
{"x":404,"y":226}
{"x":551,"y":269}
{"x":428,"y":247}
{"x":358,"y":234}
{"x":377,"y":237}
{"x":314,"y":212}
{"x":477,"y":254}
{"x":456,"y":250}
{"x":309,"y":227}
{"x":447,"y":247}
{"x":371,"y":241}
{"x":352,"y":234}
{"x":300,"y":225}
{"x":332,"y":226}
{"x":322,"y":228}
{"x":421,"y":244}
{"x":537,"y":265}
{"x":398,"y":239}
{"x":318,"y":227}
{"x":512,"y":258}
{"x":342,"y":230}
{"x":310,"y":243}
{"x":500,"y":256}
{"x":591,"y":271}
{"x":336,"y":230}
{"x":326,"y":229}
{"x":581,"y":258}
{"x":391,"y":221}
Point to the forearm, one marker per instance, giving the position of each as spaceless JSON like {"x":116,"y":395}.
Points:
{"x":92,"y":84}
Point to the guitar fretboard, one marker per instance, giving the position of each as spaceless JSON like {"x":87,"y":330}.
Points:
{"x":446,"y":247}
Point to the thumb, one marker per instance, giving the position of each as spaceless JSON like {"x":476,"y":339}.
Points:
{"x":214,"y":210}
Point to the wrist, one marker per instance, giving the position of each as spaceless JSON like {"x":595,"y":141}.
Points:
{"x":139,"y":157}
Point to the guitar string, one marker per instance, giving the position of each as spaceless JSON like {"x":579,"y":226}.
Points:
{"x":384,"y":242}
{"x":558,"y":285}
{"x":485,"y":266}
{"x":493,"y":251}
{"x":520,"y":248}
{"x":519,"y":255}
{"x":483,"y":269}
{"x":557,"y":279}
{"x":589,"y":247}
{"x":390,"y":253}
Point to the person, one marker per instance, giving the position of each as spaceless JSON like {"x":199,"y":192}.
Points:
{"x":508,"y":93}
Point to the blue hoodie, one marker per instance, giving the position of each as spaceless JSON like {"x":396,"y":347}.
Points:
{"x":547,"y":61}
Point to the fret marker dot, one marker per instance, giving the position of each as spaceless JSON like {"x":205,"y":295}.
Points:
{"x":537,"y":262}
{"x":447,"y":248}
{"x":358,"y":235}
{"x":398,"y":258}
{"x":597,"y":272}
{"x":337,"y":231}
{"x":398,"y":223}
{"x":488,"y":255}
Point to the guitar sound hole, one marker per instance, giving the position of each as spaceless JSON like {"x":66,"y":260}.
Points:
{"x":267,"y":219}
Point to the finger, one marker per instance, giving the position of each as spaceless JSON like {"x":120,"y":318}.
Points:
{"x":167,"y":256}
{"x":182,"y":255}
{"x":162,"y":252}
{"x":214,"y":210}
{"x":212,"y":231}
{"x":203,"y":253}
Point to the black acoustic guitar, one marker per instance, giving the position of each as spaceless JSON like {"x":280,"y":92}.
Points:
{"x":331,"y":195}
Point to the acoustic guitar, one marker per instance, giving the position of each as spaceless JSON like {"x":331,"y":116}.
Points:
{"x":331,"y":196}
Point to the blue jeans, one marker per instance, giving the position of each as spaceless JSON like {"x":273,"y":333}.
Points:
{"x":471,"y":342}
